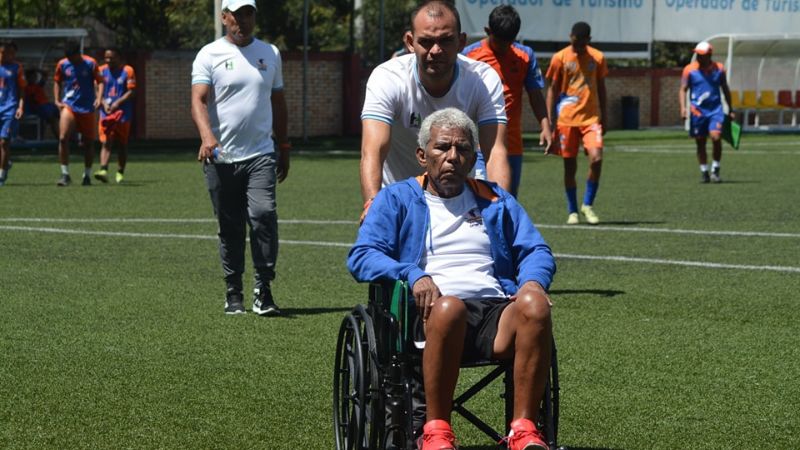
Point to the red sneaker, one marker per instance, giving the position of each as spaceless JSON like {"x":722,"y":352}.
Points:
{"x":525,"y":436}
{"x":437,"y":435}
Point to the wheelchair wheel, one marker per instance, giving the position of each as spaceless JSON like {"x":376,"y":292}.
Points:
{"x":357,"y":405}
{"x":548,"y":413}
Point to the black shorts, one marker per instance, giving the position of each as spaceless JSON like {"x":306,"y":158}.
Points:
{"x":483,"y":315}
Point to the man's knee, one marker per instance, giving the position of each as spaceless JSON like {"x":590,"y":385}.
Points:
{"x":448,"y":311}
{"x":533,"y":310}
{"x":263,"y":215}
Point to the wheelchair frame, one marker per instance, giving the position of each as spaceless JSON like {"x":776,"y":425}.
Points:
{"x":374,"y":366}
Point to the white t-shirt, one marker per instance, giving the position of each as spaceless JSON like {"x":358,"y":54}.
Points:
{"x":243,"y":79}
{"x":396,"y":96}
{"x":458,"y":254}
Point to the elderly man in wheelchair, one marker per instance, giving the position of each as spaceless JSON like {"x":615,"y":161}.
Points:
{"x":479,"y":272}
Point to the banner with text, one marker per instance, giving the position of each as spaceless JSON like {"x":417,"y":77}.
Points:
{"x":627,"y":21}
{"x":695,"y":20}
{"x":551,"y":20}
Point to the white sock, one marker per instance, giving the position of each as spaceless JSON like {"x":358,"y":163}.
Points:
{"x":87,"y":172}
{"x":64,"y":169}
{"x":714,"y":165}
{"x":703,"y":167}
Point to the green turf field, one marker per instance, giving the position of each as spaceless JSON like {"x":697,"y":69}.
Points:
{"x":676,"y":319}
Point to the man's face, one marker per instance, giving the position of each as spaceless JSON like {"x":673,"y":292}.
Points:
{"x":74,"y":58}
{"x":704,"y":60}
{"x":448,"y":158}
{"x":579,"y":43}
{"x":240,"y":24}
{"x":498,"y":45}
{"x":112,"y":59}
{"x":435,"y":41}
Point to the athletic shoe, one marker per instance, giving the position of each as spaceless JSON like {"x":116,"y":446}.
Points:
{"x":65,"y":180}
{"x":119,"y":177}
{"x":437,"y":435}
{"x":263,"y":304}
{"x":101,"y":175}
{"x":525,"y":436}
{"x":591,"y":217}
{"x":86,"y":181}
{"x":572,"y":219}
{"x":704,"y":178}
{"x":234,"y":302}
{"x":715,"y":176}
{"x":2,"y":182}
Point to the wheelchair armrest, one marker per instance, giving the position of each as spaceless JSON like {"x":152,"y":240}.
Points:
{"x":394,"y":297}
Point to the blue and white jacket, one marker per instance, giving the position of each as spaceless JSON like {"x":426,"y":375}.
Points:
{"x":391,"y":241}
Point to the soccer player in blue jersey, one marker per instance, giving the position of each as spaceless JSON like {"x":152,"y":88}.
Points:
{"x":12,"y":85}
{"x":77,"y":90}
{"x":704,"y":79}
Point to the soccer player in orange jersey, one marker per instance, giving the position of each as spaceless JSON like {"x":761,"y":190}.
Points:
{"x":577,"y":94}
{"x":116,"y":112}
{"x":517,"y":67}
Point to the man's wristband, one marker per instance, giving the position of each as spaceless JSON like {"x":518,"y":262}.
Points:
{"x":285,"y":146}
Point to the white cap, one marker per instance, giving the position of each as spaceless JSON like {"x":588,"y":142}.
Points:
{"x":233,"y":5}
{"x":703,"y":48}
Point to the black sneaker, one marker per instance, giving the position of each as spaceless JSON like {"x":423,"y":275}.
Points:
{"x":704,"y":177}
{"x":86,"y":181}
{"x":65,"y":180}
{"x":715,"y":176}
{"x":234,"y":302}
{"x":263,"y":304}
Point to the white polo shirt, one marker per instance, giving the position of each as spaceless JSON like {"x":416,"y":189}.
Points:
{"x":240,"y":109}
{"x":396,"y":96}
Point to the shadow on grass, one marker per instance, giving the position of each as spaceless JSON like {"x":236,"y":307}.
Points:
{"x":498,"y":446}
{"x":289,"y":313}
{"x":598,"y":292}
{"x":634,"y":222}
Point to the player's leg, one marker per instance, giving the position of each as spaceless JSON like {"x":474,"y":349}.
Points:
{"x":6,"y":134}
{"x":105,"y":152}
{"x":444,"y":344}
{"x":227,"y":190}
{"x":593,"y":146}
{"x":263,"y":219}
{"x":524,"y":332}
{"x":121,"y":135}
{"x":715,"y":133}
{"x":87,"y":127}
{"x":66,"y":130}
{"x":569,"y":141}
{"x":515,"y":162}
{"x":698,"y":129}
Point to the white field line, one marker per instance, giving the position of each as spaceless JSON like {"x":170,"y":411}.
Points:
{"x":353,"y":222}
{"x":347,"y":245}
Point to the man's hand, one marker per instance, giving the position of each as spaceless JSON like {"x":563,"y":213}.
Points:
{"x":206,"y":152}
{"x":732,"y":115}
{"x":683,"y":113}
{"x":283,"y":164}
{"x":534,"y":290}
{"x":18,"y":114}
{"x":425,"y":294}
{"x":546,"y":140}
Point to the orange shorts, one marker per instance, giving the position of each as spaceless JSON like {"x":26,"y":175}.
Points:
{"x":118,"y":133}
{"x":569,"y":139}
{"x":85,"y":123}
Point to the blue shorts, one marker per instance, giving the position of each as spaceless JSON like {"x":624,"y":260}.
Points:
{"x":701,"y":126}
{"x":8,"y":127}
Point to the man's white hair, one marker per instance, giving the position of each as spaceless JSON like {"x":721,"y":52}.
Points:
{"x":447,"y":118}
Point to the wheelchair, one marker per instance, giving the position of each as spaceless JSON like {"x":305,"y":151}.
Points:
{"x":376,"y":363}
